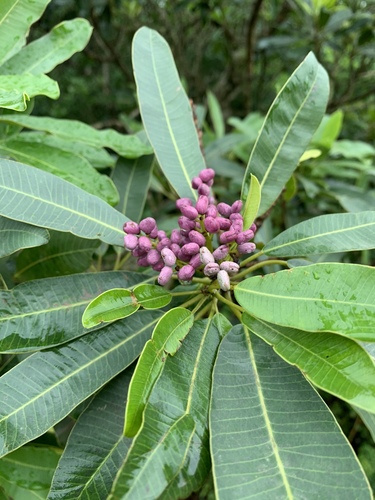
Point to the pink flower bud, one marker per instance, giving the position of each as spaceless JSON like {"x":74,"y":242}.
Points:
{"x":224,"y":224}
{"x":197,"y":237}
{"x":130,"y":241}
{"x":221,"y":252}
{"x":175,"y":248}
{"x":154,"y":232}
{"x":237,"y":206}
{"x":211,"y":224}
{"x":204,"y":189}
{"x":189,"y":212}
{"x":138,"y":252}
{"x":195,"y":261}
{"x":202,"y":204}
{"x":186,"y":223}
{"x":244,"y":236}
{"x":153,"y":257}
{"x":163,"y":243}
{"x":131,"y":227}
{"x":159,"y":265}
{"x":207,"y":174}
{"x":228,"y":236}
{"x":206,"y":256}
{"x":147,"y":225}
{"x":230,"y":267}
{"x":223,"y":280}
{"x":182,"y":202}
{"x":169,"y":257}
{"x":235,"y":216}
{"x":246,"y":248}
{"x":190,"y":249}
{"x":237,"y":225}
{"x":211,"y":211}
{"x":165,"y":275}
{"x":161,"y":234}
{"x":211,"y":269}
{"x":175,"y":236}
{"x":186,"y":273}
{"x":144,"y":243}
{"x":182,"y":256}
{"x":196,"y":182}
{"x":253,"y":227}
{"x":142,"y":261}
{"x":224,"y":209}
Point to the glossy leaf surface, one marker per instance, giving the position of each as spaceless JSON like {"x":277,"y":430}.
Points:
{"x":271,"y":434}
{"x":63,"y":377}
{"x":166,"y":112}
{"x":16,"y":235}
{"x":252,"y":203}
{"x":183,"y":388}
{"x":216,"y":114}
{"x":110,"y":306}
{"x":95,"y":448}
{"x":56,"y":204}
{"x":47,"y":312}
{"x":17,"y":90}
{"x":329,"y":297}
{"x":287,"y":129}
{"x":169,"y":332}
{"x":332,"y":362}
{"x":44,"y":54}
{"x":326,"y":234}
{"x":152,"y":296}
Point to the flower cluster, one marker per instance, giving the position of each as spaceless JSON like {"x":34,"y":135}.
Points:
{"x":190,"y":248}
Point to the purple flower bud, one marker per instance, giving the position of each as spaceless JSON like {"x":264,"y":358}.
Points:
{"x":154,"y":233}
{"x":161,"y":235}
{"x":224,"y":224}
{"x":147,"y":225}
{"x":153,"y":257}
{"x":228,"y":236}
{"x":195,"y":261}
{"x":221,"y":252}
{"x":175,"y":248}
{"x":207,"y":174}
{"x":206,"y":256}
{"x":189,"y":212}
{"x":230,"y":267}
{"x":169,"y":257}
{"x":131,"y":227}
{"x":165,"y":275}
{"x":186,"y":223}
{"x":244,"y":236}
{"x":144,"y":243}
{"x":163,"y":243}
{"x":211,"y":211}
{"x":175,"y":236}
{"x":210,"y":183}
{"x":202,"y":204}
{"x":204,"y":189}
{"x":237,"y":206}
{"x":253,"y":227}
{"x":190,"y":249}
{"x":246,"y":248}
{"x":197,"y":237}
{"x":237,"y":225}
{"x":182,"y":202}
{"x":211,"y":269}
{"x":138,"y":252}
{"x":224,"y":209}
{"x":223,"y":280}
{"x":182,"y":256}
{"x":211,"y":224}
{"x":196,"y":182}
{"x":142,"y":261}
{"x":235,"y":216}
{"x":186,"y":273}
{"x":159,"y":265}
{"x":130,"y":241}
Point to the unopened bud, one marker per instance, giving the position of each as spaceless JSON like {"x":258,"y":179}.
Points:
{"x":153,"y":257}
{"x":154,"y":233}
{"x":186,"y":223}
{"x":147,"y":225}
{"x":165,"y":275}
{"x":130,"y":241}
{"x":207,"y":174}
{"x":221,"y":252}
{"x":246,"y":248}
{"x":163,"y":243}
{"x":211,"y":224}
{"x":228,"y":236}
{"x":204,"y":189}
{"x":224,"y":209}
{"x":244,"y":236}
{"x":175,"y":236}
{"x":211,"y":211}
{"x":237,"y":206}
{"x":206,"y":256}
{"x":189,"y":212}
{"x":211,"y":269}
{"x":175,"y":248}
{"x":158,"y":266}
{"x":144,"y":243}
{"x":202,"y":204}
{"x":195,"y":261}
{"x":223,"y":280}
{"x":224,"y":224}
{"x":182,"y":202}
{"x":190,"y":249}
{"x":131,"y":227}
{"x":142,"y":261}
{"x":169,"y":257}
{"x":230,"y":267}
{"x":196,"y":182}
{"x":186,"y":273}
{"x":197,"y":237}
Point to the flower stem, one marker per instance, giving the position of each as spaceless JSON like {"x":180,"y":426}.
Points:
{"x":192,"y":301}
{"x":229,"y":303}
{"x":251,"y":258}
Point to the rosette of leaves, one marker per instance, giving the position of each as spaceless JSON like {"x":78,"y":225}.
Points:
{"x":224,"y":398}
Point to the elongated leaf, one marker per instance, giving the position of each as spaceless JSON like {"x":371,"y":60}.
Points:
{"x":216,"y":114}
{"x":129,"y":146}
{"x":61,"y":378}
{"x":170,"y":330}
{"x":166,"y":112}
{"x":252,"y":203}
{"x":132,"y":179}
{"x":30,"y":195}
{"x":16,"y":17}
{"x":16,"y":235}
{"x":96,"y":447}
{"x":334,"y":363}
{"x":64,"y":164}
{"x":287,"y":129}
{"x":152,"y":296}
{"x":44,"y":54}
{"x":326,"y":234}
{"x":183,"y":388}
{"x":17,"y":90}
{"x":271,"y":434}
{"x":321,"y":297}
{"x":43,"y":313}
{"x":27,"y":472}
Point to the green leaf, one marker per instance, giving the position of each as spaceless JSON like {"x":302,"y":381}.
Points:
{"x":96,"y":446}
{"x":31,"y":195}
{"x":129,"y":146}
{"x":333,"y":363}
{"x":64,"y":164}
{"x":63,"y":254}
{"x":152,"y":296}
{"x":16,"y":90}
{"x":47,"y":312}
{"x":16,"y":235}
{"x":287,"y":130}
{"x":27,"y":472}
{"x":16,"y":17}
{"x":111,"y":305}
{"x":169,"y":332}
{"x":271,"y":434}
{"x":331,"y":297}
{"x":328,"y":131}
{"x":44,"y":54}
{"x":63,"y":377}
{"x":166,"y":112}
{"x":216,"y":114}
{"x":183,"y":388}
{"x":132,"y":179}
{"x":325,"y":234}
{"x":252,"y":202}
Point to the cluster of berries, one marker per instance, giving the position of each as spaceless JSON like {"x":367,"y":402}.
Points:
{"x":186,"y":250}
